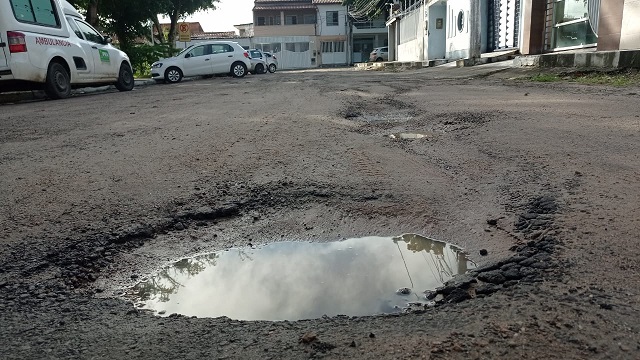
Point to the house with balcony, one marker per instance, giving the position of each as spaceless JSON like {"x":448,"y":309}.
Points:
{"x":286,"y":28}
{"x":314,"y":33}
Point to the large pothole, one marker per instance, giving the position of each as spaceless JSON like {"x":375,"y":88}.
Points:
{"x":304,"y":280}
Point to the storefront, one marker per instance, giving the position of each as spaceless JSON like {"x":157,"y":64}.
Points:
{"x":574,"y":24}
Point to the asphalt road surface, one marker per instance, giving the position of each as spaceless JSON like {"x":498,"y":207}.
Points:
{"x":99,"y":190}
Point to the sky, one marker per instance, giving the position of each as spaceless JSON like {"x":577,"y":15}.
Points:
{"x":226,"y":14}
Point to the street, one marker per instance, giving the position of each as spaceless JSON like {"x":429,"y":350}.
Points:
{"x":100,"y":190}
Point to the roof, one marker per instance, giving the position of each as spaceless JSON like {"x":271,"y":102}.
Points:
{"x":70,"y":10}
{"x":282,"y":5}
{"x":326,"y":2}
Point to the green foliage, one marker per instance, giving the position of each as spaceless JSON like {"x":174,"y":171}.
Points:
{"x":546,"y":78}
{"x":129,"y":20}
{"x":592,"y":77}
{"x":176,"y":9}
{"x":142,"y":56}
{"x":612,"y":79}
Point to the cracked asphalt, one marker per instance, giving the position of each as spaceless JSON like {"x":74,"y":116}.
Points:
{"x":100,"y":190}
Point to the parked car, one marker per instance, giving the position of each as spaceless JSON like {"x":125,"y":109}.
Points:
{"x":47,"y":45}
{"x":379,"y":54}
{"x":202,"y":59}
{"x":258,"y":62}
{"x":272,"y":62}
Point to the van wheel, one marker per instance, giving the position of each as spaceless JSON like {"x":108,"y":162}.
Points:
{"x":173,"y":75}
{"x":125,"y":78}
{"x":58,"y":84}
{"x":272,"y":68}
{"x":238,"y":69}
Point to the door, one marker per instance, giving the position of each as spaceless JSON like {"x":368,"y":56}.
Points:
{"x":503,"y":24}
{"x":83,"y":59}
{"x":103,"y":54}
{"x":222,"y":56}
{"x":197,"y":61}
{"x":437,"y":38}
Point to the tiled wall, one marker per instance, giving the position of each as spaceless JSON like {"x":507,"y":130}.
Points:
{"x":610,"y":24}
{"x":630,"y":31}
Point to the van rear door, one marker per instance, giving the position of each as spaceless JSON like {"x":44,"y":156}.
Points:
{"x":4,"y":49}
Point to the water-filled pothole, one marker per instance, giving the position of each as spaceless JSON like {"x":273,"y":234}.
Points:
{"x":304,"y":280}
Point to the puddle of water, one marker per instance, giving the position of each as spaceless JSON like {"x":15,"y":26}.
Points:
{"x":302,"y":280}
{"x":407,"y":136}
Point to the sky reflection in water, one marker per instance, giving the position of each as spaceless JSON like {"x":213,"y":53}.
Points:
{"x":302,"y":280}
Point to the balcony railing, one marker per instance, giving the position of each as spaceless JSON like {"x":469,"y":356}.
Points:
{"x":369,"y":25}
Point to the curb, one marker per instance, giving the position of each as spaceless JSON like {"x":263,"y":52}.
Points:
{"x":18,"y":96}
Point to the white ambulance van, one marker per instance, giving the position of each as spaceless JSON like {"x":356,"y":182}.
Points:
{"x":46,"y":44}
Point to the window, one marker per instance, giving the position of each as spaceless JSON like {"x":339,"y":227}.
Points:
{"x":291,"y":20}
{"x":255,"y":54}
{"x":332,"y":46}
{"x":460,"y":21}
{"x":198,"y":51}
{"x":571,"y":26}
{"x":40,"y":12}
{"x":221,"y":48}
{"x":74,"y":27}
{"x":332,"y":18}
{"x":268,"y":20}
{"x":90,"y":34}
{"x":297,"y":47}
{"x":309,"y":19}
{"x":273,"y":20}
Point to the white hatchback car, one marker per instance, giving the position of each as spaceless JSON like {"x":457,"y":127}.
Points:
{"x":202,"y":59}
{"x":45,"y":44}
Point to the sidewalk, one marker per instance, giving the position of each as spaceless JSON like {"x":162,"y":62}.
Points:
{"x":622,"y":59}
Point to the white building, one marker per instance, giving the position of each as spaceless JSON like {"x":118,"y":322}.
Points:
{"x":314,"y":33}
{"x":421,"y":30}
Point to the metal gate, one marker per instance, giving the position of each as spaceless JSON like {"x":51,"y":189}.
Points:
{"x":503,"y":24}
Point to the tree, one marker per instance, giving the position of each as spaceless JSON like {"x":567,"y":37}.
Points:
{"x":128,"y":19}
{"x":91,"y":7}
{"x":176,"y":9}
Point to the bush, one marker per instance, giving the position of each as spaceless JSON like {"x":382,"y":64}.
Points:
{"x":142,"y":56}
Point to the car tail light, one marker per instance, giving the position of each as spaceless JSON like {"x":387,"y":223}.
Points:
{"x":17,"y":42}
{"x":246,"y":54}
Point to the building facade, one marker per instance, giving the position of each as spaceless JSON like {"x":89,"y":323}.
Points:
{"x":421,"y":30}
{"x":556,"y":25}
{"x":314,"y":33}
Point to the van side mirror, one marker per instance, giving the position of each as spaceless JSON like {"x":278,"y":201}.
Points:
{"x":107,"y":40}
{"x":187,"y":55}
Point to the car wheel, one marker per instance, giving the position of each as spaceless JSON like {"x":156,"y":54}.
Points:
{"x":379,"y":59}
{"x":173,"y":75}
{"x":272,"y":68}
{"x":238,"y":69}
{"x":260,"y":69}
{"x":58,"y":83}
{"x":125,"y":78}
